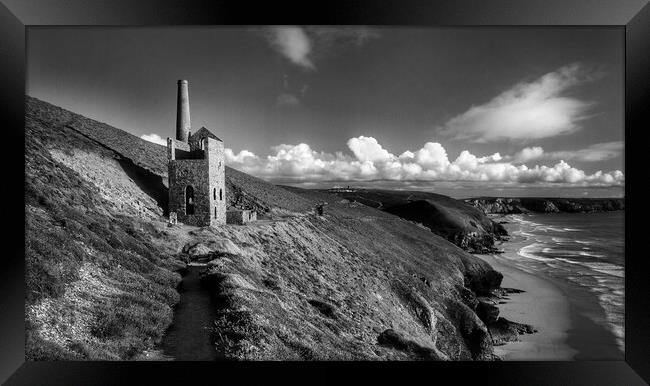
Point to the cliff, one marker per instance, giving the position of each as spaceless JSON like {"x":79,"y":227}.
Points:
{"x":102,"y":265}
{"x":502,"y":205}
{"x":454,"y":220}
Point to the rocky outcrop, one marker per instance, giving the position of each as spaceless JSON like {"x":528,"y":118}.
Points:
{"x":503,"y":205}
{"x":467,"y":228}
{"x":455,"y":220}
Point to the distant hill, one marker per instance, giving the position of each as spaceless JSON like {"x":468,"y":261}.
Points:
{"x":508,"y":205}
{"x":102,"y":265}
{"x":455,"y":220}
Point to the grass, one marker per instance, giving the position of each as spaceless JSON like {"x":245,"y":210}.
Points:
{"x":455,"y":220}
{"x":69,"y":226}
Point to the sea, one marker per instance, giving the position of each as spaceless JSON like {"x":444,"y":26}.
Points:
{"x":582,"y":251}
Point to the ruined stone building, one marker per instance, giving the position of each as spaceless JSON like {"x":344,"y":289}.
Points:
{"x":240,"y":217}
{"x":197,"y":182}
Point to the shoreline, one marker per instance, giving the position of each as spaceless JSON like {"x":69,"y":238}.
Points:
{"x":542,"y":305}
{"x":569,"y":318}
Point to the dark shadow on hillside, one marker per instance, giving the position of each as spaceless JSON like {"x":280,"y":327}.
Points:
{"x":150,"y":183}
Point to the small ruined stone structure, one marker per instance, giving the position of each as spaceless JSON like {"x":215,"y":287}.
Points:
{"x":197,"y":182}
{"x":240,"y":217}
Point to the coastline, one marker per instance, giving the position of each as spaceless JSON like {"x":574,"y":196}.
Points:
{"x":571,"y":322}
{"x":542,"y":305}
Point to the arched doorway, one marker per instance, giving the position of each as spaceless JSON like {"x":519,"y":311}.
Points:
{"x":189,"y":200}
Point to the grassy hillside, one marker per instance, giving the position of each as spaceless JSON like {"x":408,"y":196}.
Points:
{"x":455,"y":220}
{"x":96,"y":287}
{"x":356,"y":283}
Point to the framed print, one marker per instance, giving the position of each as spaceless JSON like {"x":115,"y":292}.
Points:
{"x":330,"y":193}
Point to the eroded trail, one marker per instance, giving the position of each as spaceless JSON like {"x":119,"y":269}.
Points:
{"x":189,"y":338}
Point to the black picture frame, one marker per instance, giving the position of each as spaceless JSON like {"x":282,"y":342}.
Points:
{"x":632,"y":15}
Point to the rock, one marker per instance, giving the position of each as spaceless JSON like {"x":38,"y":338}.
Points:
{"x":504,"y":330}
{"x":483,"y":282}
{"x":487,"y":312}
{"x":545,"y":205}
{"x":198,"y":249}
{"x":473,"y":330}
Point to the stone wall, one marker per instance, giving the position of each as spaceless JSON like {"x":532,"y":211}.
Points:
{"x":183,"y":173}
{"x":240,"y":217}
{"x":177,"y":149}
{"x":217,"y":176}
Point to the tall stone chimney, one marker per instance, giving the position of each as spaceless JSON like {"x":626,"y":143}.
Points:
{"x":183,"y":112}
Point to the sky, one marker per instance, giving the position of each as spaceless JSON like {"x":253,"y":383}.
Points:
{"x":507,"y":111}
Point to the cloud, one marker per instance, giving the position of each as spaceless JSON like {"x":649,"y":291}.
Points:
{"x":301,"y":45}
{"x":526,"y":111}
{"x":292,"y":43}
{"x":155,"y":138}
{"x":370,"y":161}
{"x":528,"y":154}
{"x":288,"y":100}
{"x":593,"y":153}
{"x":368,"y":149}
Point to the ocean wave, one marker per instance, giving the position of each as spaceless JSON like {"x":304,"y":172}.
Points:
{"x":563,"y":252}
{"x":521,"y":221}
{"x":546,"y":228}
{"x":613,"y":307}
{"x":522,"y":233}
{"x":590,"y":254}
{"x":530,"y":250}
{"x":606,"y":268}
{"x":608,"y":300}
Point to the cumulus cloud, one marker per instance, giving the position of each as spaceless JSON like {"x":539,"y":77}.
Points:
{"x":155,"y":138}
{"x":526,"y":111}
{"x":368,"y":149}
{"x":300,"y":45}
{"x":370,"y":161}
{"x":288,"y":100}
{"x":593,"y":153}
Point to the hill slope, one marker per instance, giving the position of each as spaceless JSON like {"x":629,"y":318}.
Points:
{"x":455,"y":220}
{"x":356,"y":283}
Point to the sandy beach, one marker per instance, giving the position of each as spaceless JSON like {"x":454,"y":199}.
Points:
{"x":542,"y":305}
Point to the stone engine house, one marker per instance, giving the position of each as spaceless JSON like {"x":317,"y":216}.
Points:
{"x":197,"y":179}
